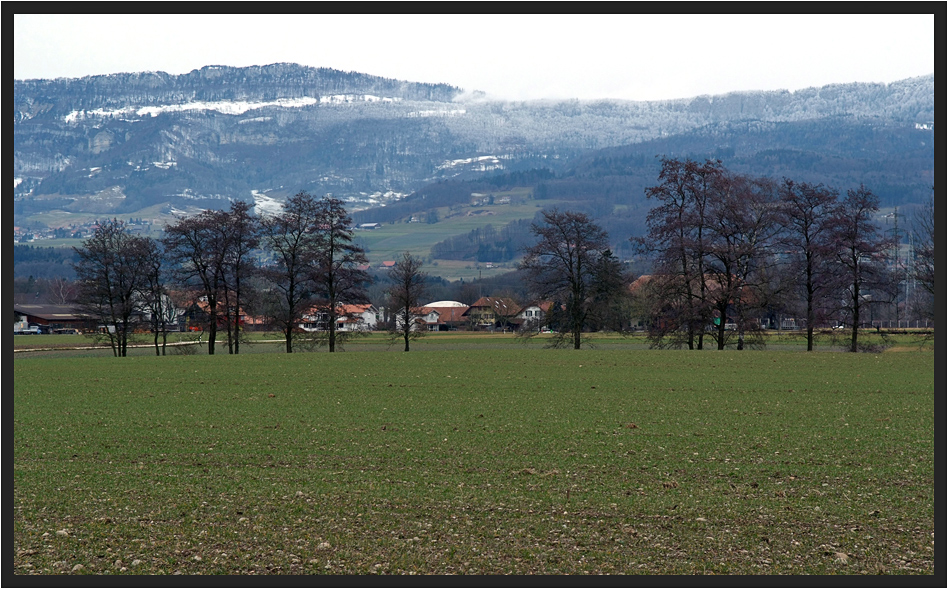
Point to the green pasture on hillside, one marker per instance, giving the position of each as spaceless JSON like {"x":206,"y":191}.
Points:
{"x":511,"y":460}
{"x":393,"y":239}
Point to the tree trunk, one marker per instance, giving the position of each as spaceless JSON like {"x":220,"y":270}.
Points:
{"x":212,"y":335}
{"x":237,"y":315}
{"x":854,"y":346}
{"x":810,"y":314}
{"x":230,"y":331}
{"x":722,"y":323}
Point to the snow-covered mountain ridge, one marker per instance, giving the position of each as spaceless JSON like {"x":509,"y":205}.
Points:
{"x":221,"y":133}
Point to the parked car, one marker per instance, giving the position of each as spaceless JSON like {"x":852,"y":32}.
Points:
{"x":31,"y":329}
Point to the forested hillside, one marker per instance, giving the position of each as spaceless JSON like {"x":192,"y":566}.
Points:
{"x":164,"y":145}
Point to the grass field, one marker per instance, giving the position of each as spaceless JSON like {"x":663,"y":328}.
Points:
{"x":391,"y":240}
{"x":255,"y":342}
{"x":476,"y":460}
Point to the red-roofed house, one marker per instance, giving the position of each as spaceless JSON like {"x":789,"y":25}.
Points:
{"x":492,"y":313}
{"x":348,"y":318}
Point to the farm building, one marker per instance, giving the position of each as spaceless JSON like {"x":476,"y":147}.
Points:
{"x":51,"y":317}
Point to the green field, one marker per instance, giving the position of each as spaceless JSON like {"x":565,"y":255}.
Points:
{"x":468,"y":458}
{"x":257,"y":342}
{"x":391,"y":240}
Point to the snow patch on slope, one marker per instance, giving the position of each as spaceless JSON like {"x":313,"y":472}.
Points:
{"x":265,"y":206}
{"x":228,"y":107}
{"x":482,"y":163}
{"x":437,"y":113}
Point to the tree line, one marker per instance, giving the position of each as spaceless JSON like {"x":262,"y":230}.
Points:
{"x":731,"y":249}
{"x":729,"y":254}
{"x":225,"y":264}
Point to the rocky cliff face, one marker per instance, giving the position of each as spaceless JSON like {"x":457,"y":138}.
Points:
{"x":223,"y":133}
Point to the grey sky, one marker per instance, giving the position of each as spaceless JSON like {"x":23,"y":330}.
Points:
{"x":635,"y":57}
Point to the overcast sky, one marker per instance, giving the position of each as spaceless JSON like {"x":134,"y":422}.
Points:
{"x":515,"y":57}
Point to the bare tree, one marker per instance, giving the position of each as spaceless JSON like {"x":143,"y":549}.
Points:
{"x":859,"y":251}
{"x":240,"y":236}
{"x":678,"y":237}
{"x":565,"y":267}
{"x":156,"y":301}
{"x":807,"y":211}
{"x":198,"y":249}
{"x":405,"y":293}
{"x":112,"y":273}
{"x":742,"y":222}
{"x":61,"y":290}
{"x":212,"y":251}
{"x":336,"y":276}
{"x":293,"y":239}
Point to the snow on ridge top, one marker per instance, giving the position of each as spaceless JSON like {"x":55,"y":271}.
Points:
{"x":228,"y":107}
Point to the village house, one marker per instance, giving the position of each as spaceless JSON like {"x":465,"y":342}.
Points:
{"x":450,"y":315}
{"x":531,"y":316}
{"x":194,"y":317}
{"x":492,"y":313}
{"x":348,"y":318}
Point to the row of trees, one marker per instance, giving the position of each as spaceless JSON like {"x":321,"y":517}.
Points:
{"x":729,"y":246}
{"x":116,"y":272}
{"x":315,"y":263}
{"x":228,"y":262}
{"x":728,"y":249}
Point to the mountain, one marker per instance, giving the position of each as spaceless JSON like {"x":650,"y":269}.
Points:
{"x":153,"y":144}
